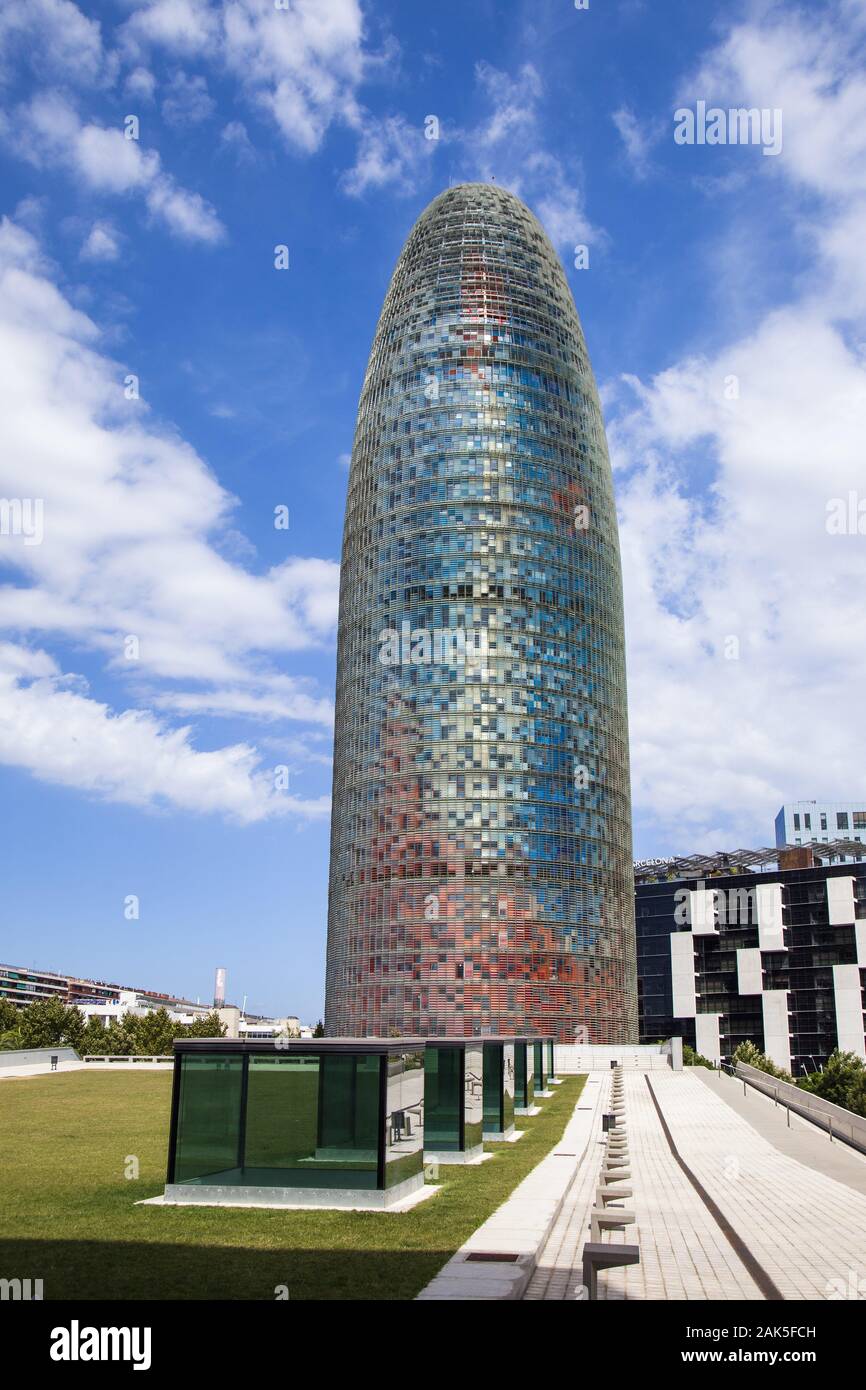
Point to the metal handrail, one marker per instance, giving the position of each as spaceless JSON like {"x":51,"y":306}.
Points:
{"x":834,"y":1119}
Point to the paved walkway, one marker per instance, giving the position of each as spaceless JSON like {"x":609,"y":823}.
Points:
{"x":802,"y":1140}
{"x":774,"y":1226}
{"x":43,"y":1069}
{"x":38,"y":1069}
{"x":684,"y":1253}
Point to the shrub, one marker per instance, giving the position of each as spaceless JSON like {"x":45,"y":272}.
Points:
{"x":694,"y":1059}
{"x":842,"y":1082}
{"x":751,"y":1056}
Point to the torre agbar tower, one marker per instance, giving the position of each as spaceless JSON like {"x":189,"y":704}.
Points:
{"x":481,"y":866}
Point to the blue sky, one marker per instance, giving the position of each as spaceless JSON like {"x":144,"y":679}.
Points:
{"x":724,"y":310}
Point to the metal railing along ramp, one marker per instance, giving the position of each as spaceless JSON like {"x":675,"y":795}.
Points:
{"x":835,"y":1120}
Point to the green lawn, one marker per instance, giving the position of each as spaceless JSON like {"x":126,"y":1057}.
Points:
{"x":68,"y":1213}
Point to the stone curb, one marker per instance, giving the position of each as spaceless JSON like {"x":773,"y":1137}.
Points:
{"x":521,"y":1226}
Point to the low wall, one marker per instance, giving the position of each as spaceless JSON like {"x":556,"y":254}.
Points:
{"x":832,"y":1118}
{"x":573,"y":1058}
{"x":122,"y":1059}
{"x":36,"y":1056}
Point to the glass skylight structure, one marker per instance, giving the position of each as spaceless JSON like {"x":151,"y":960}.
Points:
{"x":481,"y":865}
{"x":325,"y":1122}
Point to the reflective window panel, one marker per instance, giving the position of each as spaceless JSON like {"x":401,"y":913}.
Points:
{"x":208,"y":1131}
{"x":540,"y":1066}
{"x":492,"y":1087}
{"x":524,"y":1082}
{"x":473,"y":1080}
{"x":404,"y":1116}
{"x":498,"y":1086}
{"x":443,"y":1098}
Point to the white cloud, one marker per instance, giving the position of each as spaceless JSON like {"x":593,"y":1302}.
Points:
{"x":101,"y":243}
{"x":637,"y":140}
{"x":514,"y":103}
{"x":813,"y":71}
{"x":187,"y":214}
{"x":390,"y":151}
{"x":187,"y":100}
{"x":56,"y":39}
{"x":235,"y":137}
{"x":141,"y":83}
{"x":184,"y":26}
{"x":48,"y":132}
{"x":776,"y":422}
{"x":302,"y":63}
{"x":508,"y":147}
{"x":55,"y":732}
{"x":285,"y":699}
{"x":132,"y":522}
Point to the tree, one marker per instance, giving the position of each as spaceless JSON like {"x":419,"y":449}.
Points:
{"x":857,"y":1094}
{"x":10,"y":1026}
{"x":151,"y":1034}
{"x":147,"y":1035}
{"x":751,"y":1056}
{"x":319,"y":1030}
{"x":695,"y":1059}
{"x":842,"y":1082}
{"x":10,"y":1016}
{"x":207,"y":1026}
{"x":49,"y":1023}
{"x":94,"y":1038}
{"x":114,"y":1040}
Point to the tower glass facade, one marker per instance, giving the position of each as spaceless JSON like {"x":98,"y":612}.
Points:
{"x":481,"y":875}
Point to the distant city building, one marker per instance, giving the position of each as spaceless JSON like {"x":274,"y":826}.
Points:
{"x":23,"y":985}
{"x":110,"y":1003}
{"x":764,"y":946}
{"x":480,"y":873}
{"x":819,"y":822}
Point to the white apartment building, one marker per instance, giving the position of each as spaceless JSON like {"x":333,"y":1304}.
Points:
{"x":821,"y":822}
